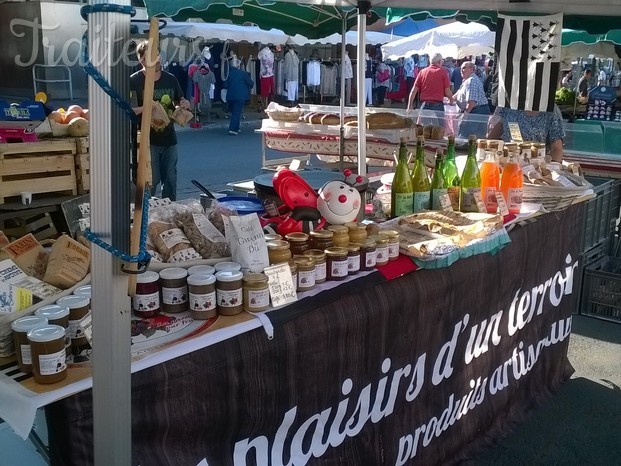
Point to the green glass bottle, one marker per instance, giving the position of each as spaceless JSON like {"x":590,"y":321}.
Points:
{"x":438,"y":186}
{"x":402,"y":191}
{"x":451,"y":176}
{"x":470,"y":178}
{"x":420,"y":179}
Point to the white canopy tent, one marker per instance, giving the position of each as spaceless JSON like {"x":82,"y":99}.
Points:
{"x":110,"y":197}
{"x":457,"y":40}
{"x":570,"y":53}
{"x":223,"y":32}
{"x":351,"y":38}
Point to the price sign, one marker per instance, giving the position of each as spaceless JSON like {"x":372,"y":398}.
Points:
{"x":516,"y":134}
{"x":563,"y":180}
{"x":479,"y":200}
{"x":86,"y":324}
{"x":502,"y":204}
{"x":445,"y":202}
{"x":281,"y":286}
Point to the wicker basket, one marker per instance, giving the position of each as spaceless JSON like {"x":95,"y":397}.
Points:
{"x":280,"y":115}
{"x":553,"y":198}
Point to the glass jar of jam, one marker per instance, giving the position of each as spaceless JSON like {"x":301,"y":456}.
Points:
{"x":227,"y":267}
{"x":368,"y":254}
{"x":57,"y":315}
{"x":294,"y":273}
{"x":47,"y":348}
{"x":298,"y":242}
{"x":202,"y":269}
{"x":340,"y":237}
{"x":381,"y":247}
{"x":337,"y":265}
{"x":174,"y":281}
{"x":85,"y":290}
{"x":146,"y":302}
{"x":319,"y":259}
{"x":202,"y":296}
{"x":229,"y":295}
{"x":78,"y":306}
{"x":306,"y":272}
{"x":393,"y":243}
{"x":272,"y":237}
{"x":20,"y":328}
{"x":353,"y":258}
{"x":321,"y":239}
{"x":278,"y":251}
{"x":256,"y":292}
{"x":357,"y":232}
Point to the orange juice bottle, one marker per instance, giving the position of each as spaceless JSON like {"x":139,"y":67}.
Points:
{"x":512,"y":185}
{"x":490,"y":182}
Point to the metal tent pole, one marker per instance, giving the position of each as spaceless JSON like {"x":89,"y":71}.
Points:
{"x":342,"y":127}
{"x":363,"y":7}
{"x":110,"y":197}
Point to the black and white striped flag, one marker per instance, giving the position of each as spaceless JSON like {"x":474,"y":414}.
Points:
{"x":528,"y":50}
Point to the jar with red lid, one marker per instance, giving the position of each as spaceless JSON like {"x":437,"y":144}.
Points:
{"x":146,"y":302}
{"x":336,"y":263}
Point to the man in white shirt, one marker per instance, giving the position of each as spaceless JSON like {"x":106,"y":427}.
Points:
{"x":602,"y":79}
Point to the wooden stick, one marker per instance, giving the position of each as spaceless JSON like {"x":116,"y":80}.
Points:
{"x":144,"y":150}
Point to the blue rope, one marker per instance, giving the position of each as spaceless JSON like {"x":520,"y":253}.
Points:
{"x":143,"y":257}
{"x":88,"y":66}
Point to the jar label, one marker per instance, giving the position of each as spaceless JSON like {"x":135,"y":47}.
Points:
{"x":229,"y":298}
{"x":258,"y":298}
{"x":320,"y":271}
{"x":381,"y":254}
{"x":26,"y":354}
{"x":306,"y":278}
{"x":173,"y":237}
{"x":75,"y":331}
{"x":371,"y":258}
{"x":403,"y":204}
{"x":175,"y":295}
{"x":55,"y":363}
{"x":146,"y":302}
{"x":489,"y":195}
{"x":393,"y":250}
{"x":207,"y":228}
{"x":436,"y":195}
{"x":353,"y":263}
{"x":339,"y":268}
{"x":203,"y":302}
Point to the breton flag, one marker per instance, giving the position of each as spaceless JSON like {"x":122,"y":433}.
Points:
{"x":528,"y":50}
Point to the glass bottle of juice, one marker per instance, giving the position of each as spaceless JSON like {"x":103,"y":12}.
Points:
{"x":420,"y":179}
{"x":512,"y":184}
{"x":451,"y":176}
{"x":470,"y":178}
{"x":438,"y":186}
{"x":490,"y":182}
{"x":402,"y":191}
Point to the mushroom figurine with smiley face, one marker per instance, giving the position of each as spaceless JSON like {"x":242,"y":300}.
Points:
{"x":339,"y":202}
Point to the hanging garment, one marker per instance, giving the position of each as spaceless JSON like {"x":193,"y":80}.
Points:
{"x":313,"y":73}
{"x":368,"y":85}
{"x":329,"y":74}
{"x":204,"y":80}
{"x":348,"y":71}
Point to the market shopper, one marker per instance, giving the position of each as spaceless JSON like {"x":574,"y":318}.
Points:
{"x":471,"y":100}
{"x":432,"y":85}
{"x":544,"y":127}
{"x":583,"y":86}
{"x":238,"y":86}
{"x":163,"y":139}
{"x":382,"y":78}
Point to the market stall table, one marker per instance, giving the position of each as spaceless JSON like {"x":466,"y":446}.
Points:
{"x":427,"y":365}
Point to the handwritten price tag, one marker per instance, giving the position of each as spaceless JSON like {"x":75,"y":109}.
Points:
{"x":445,"y":202}
{"x":516,"y":134}
{"x":502,"y":204}
{"x":86,"y":324}
{"x":479,"y":200}
{"x":281,"y":286}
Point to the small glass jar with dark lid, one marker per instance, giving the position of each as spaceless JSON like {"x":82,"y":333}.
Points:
{"x":353,"y":258}
{"x":381,"y":248}
{"x":357,"y":232}
{"x":393,"y":243}
{"x":337,"y":266}
{"x":278,"y":251}
{"x":319,"y":258}
{"x":340,"y":238}
{"x":306,"y":272}
{"x":368,"y":254}
{"x":298,"y":242}
{"x":321,"y":239}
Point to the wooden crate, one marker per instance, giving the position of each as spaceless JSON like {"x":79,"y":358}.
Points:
{"x":83,"y":172}
{"x":45,"y":167}
{"x":40,"y":225}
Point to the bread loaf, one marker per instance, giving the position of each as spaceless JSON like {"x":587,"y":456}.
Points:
{"x":315,"y":118}
{"x":385,"y":120}
{"x":330,"y":119}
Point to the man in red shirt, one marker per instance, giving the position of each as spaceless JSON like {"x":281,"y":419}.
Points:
{"x":432,"y":84}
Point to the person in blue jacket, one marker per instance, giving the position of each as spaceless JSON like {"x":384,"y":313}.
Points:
{"x":238,"y":86}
